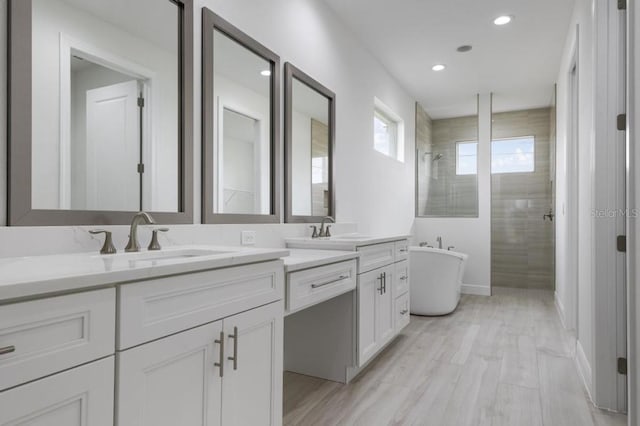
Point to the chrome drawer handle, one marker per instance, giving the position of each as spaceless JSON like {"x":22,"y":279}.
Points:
{"x":221,"y":363}
{"x":342,"y":277}
{"x":403,"y":278}
{"x":404,"y":250}
{"x":404,"y":312}
{"x":234,"y":358}
{"x":7,"y":350}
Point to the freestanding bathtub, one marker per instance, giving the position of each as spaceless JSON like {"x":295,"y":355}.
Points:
{"x":436,"y":280}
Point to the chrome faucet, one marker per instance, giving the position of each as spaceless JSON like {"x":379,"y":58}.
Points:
{"x":141,"y":217}
{"x":325,"y":232}
{"x":439,"y":240}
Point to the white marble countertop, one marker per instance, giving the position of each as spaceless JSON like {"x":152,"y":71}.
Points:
{"x":346,"y":242}
{"x":24,"y":277}
{"x":299,"y":259}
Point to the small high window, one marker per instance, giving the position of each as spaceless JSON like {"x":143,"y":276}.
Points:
{"x":467,"y":158}
{"x":513,"y":155}
{"x":388,"y":131}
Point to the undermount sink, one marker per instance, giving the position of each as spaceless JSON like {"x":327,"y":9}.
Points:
{"x":171,"y":254}
{"x":350,"y":237}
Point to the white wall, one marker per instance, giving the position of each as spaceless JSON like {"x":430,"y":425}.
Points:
{"x":469,"y":235}
{"x":371,"y":189}
{"x":301,"y":154}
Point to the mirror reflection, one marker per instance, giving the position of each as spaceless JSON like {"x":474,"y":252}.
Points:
{"x":242,"y":147}
{"x":309,"y":151}
{"x":447,"y":164}
{"x":105,"y":105}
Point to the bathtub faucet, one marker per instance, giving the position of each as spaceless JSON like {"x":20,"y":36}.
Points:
{"x":439,"y":240}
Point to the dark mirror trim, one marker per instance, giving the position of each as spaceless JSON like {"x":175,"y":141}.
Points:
{"x":291,"y":72}
{"x":211,"y":22}
{"x":19,"y":211}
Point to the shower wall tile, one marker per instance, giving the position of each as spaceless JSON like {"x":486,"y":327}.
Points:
{"x":522,"y":243}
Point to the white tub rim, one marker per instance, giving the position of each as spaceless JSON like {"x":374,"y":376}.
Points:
{"x":461,"y":256}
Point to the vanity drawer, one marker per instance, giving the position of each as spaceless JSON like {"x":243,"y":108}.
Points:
{"x":402,"y":277}
{"x":44,"y":336}
{"x":311,"y":286}
{"x":402,"y":312}
{"x":160,"y":307}
{"x":376,"y":256}
{"x":402,"y":250}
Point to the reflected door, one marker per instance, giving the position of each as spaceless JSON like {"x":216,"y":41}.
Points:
{"x":113,"y":148}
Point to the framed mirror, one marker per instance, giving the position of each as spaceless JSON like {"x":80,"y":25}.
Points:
{"x":100,"y":111}
{"x":241,"y":132}
{"x":309,"y":147}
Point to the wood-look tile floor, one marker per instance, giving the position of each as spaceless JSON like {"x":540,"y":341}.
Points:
{"x":499,"y":360}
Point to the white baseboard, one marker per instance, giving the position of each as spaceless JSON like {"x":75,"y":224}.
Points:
{"x":584,"y":368}
{"x":560,"y":309}
{"x":478,"y":290}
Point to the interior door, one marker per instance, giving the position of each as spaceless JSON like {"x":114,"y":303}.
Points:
{"x":252,"y":384}
{"x":113,"y":147}
{"x":172,"y":381}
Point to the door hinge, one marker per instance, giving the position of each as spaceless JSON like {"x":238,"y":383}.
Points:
{"x":622,"y":4}
{"x":621,"y":122}
{"x":621,"y":243}
{"x":141,"y":102}
{"x":141,"y":168}
{"x":622,"y":366}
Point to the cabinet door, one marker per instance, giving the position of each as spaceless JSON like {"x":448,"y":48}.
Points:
{"x":385,"y":302}
{"x":172,"y":381}
{"x":252,"y":383}
{"x":369,"y":290}
{"x":82,"y":396}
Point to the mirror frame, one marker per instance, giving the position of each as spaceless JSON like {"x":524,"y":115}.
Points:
{"x":291,"y":72}
{"x":19,"y":165}
{"x":210,"y":23}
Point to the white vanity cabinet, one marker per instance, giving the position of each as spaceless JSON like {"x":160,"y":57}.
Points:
{"x":56,"y":360}
{"x":228,"y":372}
{"x":375,"y":311}
{"x":381,"y":292}
{"x":190,"y":346}
{"x":188,"y":358}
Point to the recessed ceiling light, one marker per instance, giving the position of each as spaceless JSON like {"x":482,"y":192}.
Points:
{"x":438,"y":67}
{"x":464,"y":48}
{"x":503,"y":20}
{"x":265,"y":73}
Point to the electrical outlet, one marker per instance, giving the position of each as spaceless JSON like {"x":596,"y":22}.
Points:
{"x":248,"y":238}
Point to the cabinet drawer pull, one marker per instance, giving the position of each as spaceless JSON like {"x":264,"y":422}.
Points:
{"x":404,"y":250}
{"x":403,"y":278}
{"x":221,"y":363}
{"x":384,"y":282}
{"x":381,"y":278}
{"x":234,"y":358}
{"x":342,"y":277}
{"x":404,"y":312}
{"x":7,"y":350}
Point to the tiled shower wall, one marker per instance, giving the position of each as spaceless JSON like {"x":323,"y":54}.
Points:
{"x":521,"y":241}
{"x":441,"y":192}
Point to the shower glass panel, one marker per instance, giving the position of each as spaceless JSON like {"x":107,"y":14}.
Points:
{"x":447,"y":162}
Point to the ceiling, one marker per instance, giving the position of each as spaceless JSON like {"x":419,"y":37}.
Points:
{"x":518,"y":62}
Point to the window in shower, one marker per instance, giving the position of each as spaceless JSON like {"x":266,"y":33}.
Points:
{"x":466,"y":158}
{"x":513,"y":155}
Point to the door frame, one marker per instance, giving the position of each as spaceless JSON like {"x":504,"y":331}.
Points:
{"x":609,"y":214}
{"x":100,"y":56}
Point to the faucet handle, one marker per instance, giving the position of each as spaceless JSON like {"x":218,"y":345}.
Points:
{"x":450,"y":248}
{"x":315,"y":231}
{"x":154,"y":244}
{"x":108,"y":247}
